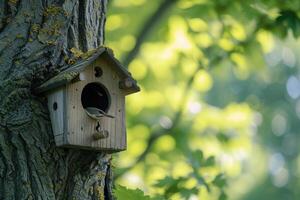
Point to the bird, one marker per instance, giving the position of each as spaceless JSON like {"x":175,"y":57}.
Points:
{"x":97,"y":113}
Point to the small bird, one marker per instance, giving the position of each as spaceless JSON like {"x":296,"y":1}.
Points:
{"x":96,"y":113}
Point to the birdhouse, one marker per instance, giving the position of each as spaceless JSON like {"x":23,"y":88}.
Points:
{"x":86,"y":102}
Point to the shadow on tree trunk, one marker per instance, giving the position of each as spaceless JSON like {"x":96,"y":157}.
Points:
{"x":35,"y":41}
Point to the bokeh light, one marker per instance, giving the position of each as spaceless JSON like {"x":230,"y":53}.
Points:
{"x":219,"y":108}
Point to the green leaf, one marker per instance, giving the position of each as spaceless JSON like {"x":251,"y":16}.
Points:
{"x":222,"y":137}
{"x":197,"y":158}
{"x":123,"y":193}
{"x":171,"y":185}
{"x":289,"y":19}
{"x":222,"y":196}
{"x":210,"y":161}
{"x":220,"y":181}
{"x":187,"y":193}
{"x":202,"y":181}
{"x":168,"y":180}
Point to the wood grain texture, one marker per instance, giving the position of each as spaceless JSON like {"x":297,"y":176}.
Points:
{"x":57,"y":116}
{"x":35,"y":41}
{"x":71,"y":71}
{"x":81,"y":127}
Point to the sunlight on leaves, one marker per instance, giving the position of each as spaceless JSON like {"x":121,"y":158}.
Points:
{"x":266,"y":41}
{"x":127,"y":42}
{"x":203,"y":81}
{"x":226,"y":44}
{"x":114,"y":22}
{"x":138,"y":69}
{"x":165,"y":143}
{"x":180,"y":169}
{"x":241,"y":70}
{"x":197,"y":25}
{"x":238,"y":31}
{"x":203,"y":40}
{"x":178,"y":33}
{"x":189,"y":3}
{"x":225,"y":133}
{"x":188,"y":66}
{"x":123,"y":193}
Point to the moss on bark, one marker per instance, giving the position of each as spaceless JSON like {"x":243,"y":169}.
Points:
{"x":35,"y":40}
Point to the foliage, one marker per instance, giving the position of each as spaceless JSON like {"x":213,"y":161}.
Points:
{"x":218,"y":113}
{"x":189,"y":185}
{"x":123,"y":193}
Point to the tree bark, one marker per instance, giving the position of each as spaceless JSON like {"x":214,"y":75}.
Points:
{"x":36,"y":38}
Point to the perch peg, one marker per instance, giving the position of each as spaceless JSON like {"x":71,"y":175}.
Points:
{"x":100,"y":135}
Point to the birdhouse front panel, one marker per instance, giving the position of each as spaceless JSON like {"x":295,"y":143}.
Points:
{"x":86,"y":102}
{"x":97,"y":90}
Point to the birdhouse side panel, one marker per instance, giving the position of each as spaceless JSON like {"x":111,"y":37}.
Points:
{"x":56,"y":108}
{"x":81,"y":127}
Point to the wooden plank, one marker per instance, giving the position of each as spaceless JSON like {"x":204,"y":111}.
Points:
{"x":110,"y":80}
{"x":65,"y":118}
{"x":75,"y":113}
{"x":81,"y":127}
{"x":68,"y":73}
{"x":121,"y":123}
{"x":56,"y":107}
{"x":59,"y":140}
{"x":124,"y":136}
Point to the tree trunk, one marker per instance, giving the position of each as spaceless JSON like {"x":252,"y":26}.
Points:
{"x":36,"y":38}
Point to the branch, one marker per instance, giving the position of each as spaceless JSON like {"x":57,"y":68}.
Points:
{"x":154,"y":136}
{"x":148,"y":26}
{"x":160,"y":132}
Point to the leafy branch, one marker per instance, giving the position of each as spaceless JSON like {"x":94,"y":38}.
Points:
{"x":155,"y":135}
{"x":148,"y":26}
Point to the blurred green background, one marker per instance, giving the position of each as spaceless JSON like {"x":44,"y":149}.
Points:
{"x":218,"y":112}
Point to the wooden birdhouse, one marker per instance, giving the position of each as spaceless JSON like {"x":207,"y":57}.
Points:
{"x":87,"y":103}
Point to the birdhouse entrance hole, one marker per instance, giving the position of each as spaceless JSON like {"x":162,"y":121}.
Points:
{"x":95,"y":95}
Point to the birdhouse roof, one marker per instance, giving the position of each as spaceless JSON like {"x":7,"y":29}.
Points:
{"x":69,"y":73}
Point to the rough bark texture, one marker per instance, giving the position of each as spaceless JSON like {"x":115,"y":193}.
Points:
{"x":36,"y":38}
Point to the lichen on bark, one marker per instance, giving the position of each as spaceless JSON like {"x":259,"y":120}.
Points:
{"x":35,"y":41}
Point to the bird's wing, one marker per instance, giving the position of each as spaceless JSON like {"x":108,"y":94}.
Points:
{"x":105,"y":114}
{"x":93,"y":113}
{"x":98,"y":112}
{"x":92,"y":110}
